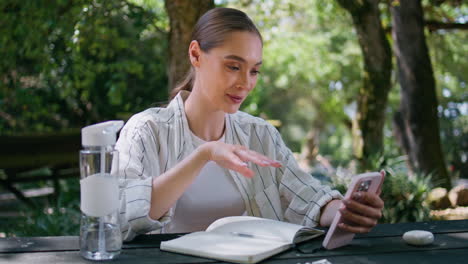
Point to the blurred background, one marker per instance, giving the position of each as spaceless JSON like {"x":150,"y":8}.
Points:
{"x":351,"y":85}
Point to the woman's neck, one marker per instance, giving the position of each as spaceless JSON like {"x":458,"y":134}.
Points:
{"x":204,"y":121}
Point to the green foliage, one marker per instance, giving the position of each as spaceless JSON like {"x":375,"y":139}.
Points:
{"x":448,"y":52}
{"x":51,"y":217}
{"x":404,"y":193}
{"x":113,"y":60}
{"x":404,"y":197}
{"x":313,"y":69}
{"x":70,"y":63}
{"x":29,"y":31}
{"x":53,"y":221}
{"x":67,"y":64}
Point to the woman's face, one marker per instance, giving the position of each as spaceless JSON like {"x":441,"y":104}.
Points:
{"x":226,"y":74}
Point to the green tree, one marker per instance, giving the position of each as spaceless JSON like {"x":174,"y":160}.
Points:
{"x":417,"y":120}
{"x":71,"y":63}
{"x":313,"y":69}
{"x":33,"y":37}
{"x":373,"y":96}
{"x":117,"y":61}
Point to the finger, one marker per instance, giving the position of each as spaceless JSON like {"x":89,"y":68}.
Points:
{"x":257,"y":158}
{"x":266,"y":160}
{"x":363,"y":209}
{"x":368,"y":198}
{"x":248,"y":155}
{"x":263,"y":160}
{"x":233,"y":162}
{"x":354,"y":229}
{"x":244,"y":170}
{"x":358,"y":219}
{"x":379,"y":191}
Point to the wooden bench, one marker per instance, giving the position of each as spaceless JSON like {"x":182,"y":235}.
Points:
{"x":59,"y":152}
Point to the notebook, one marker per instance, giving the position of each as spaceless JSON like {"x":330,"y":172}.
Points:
{"x":241,"y":239}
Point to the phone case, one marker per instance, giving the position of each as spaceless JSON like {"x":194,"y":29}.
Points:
{"x":369,"y":182}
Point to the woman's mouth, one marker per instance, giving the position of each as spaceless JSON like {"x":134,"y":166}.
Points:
{"x":235,"y":99}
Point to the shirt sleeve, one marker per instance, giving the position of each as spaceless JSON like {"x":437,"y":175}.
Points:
{"x":301,"y":194}
{"x":138,"y":164}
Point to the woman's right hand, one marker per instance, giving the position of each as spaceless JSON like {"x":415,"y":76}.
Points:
{"x":235,"y":157}
{"x":171,"y":185}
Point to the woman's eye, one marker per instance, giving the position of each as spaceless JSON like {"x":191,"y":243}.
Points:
{"x":234,"y":68}
{"x":255,"y":72}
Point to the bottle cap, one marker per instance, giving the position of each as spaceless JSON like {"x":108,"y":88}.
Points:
{"x":101,"y":134}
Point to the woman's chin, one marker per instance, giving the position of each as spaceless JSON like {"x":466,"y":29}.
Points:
{"x":231,"y":110}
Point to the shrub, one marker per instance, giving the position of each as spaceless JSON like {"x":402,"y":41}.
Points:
{"x":50,"y":217}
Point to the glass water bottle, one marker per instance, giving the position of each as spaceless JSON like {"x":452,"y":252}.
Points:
{"x":100,"y":235}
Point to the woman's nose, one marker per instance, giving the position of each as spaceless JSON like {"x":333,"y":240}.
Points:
{"x":244,"y":82}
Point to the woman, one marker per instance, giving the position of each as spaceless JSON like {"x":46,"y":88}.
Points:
{"x":200,"y":159}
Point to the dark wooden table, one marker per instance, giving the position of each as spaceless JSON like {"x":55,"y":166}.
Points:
{"x":383,"y":245}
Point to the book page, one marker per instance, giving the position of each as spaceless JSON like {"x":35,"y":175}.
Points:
{"x":230,"y":219}
{"x":242,"y":239}
{"x":307,"y":233}
{"x":255,"y":227}
{"x":224,"y":247}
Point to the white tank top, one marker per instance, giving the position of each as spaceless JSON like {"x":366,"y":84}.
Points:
{"x":211,"y":196}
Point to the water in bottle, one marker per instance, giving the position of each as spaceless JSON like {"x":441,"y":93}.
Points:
{"x":100,"y":235}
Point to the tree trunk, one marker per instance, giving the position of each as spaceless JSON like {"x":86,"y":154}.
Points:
{"x":373,"y":96}
{"x":183,"y":15}
{"x":417,"y":122}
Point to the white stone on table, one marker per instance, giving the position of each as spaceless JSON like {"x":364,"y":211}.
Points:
{"x":418,"y":237}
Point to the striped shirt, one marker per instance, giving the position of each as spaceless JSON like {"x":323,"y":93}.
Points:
{"x":156,"y":139}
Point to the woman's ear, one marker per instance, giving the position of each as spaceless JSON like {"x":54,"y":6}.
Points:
{"x":194,"y":53}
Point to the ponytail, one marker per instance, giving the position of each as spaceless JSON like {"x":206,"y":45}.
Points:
{"x":185,"y":85}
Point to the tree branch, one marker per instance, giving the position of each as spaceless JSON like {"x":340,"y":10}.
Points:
{"x":433,"y":25}
{"x":436,"y":25}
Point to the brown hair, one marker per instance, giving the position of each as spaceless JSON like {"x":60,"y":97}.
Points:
{"x":210,"y":32}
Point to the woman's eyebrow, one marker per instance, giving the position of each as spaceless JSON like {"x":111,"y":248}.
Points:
{"x":240,"y":59}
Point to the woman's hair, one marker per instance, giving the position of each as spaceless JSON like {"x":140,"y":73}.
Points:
{"x":211,"y":31}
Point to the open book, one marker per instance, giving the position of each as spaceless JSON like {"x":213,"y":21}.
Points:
{"x":241,"y":239}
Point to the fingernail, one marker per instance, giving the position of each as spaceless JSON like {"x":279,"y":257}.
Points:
{"x":277,"y":163}
{"x":243,"y":164}
{"x":248,"y":174}
{"x":357,"y":195}
{"x":272,"y":163}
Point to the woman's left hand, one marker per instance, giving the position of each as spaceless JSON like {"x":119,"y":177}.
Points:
{"x":361,"y":212}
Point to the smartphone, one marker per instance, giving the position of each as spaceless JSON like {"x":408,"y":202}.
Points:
{"x":366,"y":182}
